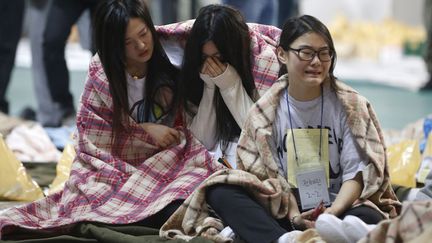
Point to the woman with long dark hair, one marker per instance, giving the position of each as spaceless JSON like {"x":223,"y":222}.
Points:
{"x":217,"y":86}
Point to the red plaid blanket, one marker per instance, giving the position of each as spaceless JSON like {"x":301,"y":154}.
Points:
{"x":115,"y":189}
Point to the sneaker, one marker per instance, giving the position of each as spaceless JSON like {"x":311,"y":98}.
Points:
{"x":355,"y":228}
{"x":69,"y":117}
{"x":330,"y":229}
{"x":69,"y":121}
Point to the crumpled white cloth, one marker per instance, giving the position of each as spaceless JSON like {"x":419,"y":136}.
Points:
{"x":30,"y":143}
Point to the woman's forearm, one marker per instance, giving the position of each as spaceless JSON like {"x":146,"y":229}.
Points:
{"x":349,"y":192}
{"x":234,"y":94}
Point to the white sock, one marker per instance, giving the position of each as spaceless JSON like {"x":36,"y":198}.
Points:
{"x":227,"y":232}
{"x":355,"y":228}
{"x":330,"y":228}
{"x":289,"y":237}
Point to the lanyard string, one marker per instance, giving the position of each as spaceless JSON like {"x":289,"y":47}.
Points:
{"x":292,"y":132}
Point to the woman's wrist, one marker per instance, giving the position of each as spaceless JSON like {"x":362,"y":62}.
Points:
{"x":293,"y":223}
{"x":335,"y":210}
{"x":227,"y":79}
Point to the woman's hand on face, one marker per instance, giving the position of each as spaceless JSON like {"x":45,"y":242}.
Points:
{"x":213,"y":67}
{"x":163,"y":135}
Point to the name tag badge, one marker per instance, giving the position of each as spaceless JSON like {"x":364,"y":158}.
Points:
{"x":312,"y":187}
{"x":308,"y":165}
{"x":307,"y":148}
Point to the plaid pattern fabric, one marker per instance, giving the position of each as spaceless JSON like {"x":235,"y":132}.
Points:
{"x":264,"y":39}
{"x":362,"y":120}
{"x":258,"y":172}
{"x":413,"y":225}
{"x":121,"y":189}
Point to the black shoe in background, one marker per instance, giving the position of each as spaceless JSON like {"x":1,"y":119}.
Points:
{"x":28,"y":114}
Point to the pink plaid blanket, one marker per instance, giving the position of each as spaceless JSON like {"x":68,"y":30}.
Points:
{"x":115,"y":189}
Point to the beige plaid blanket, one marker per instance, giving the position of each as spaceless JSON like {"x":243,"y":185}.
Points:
{"x":258,"y":172}
{"x":413,"y":225}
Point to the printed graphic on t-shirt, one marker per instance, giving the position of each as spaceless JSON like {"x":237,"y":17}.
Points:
{"x":335,"y":143}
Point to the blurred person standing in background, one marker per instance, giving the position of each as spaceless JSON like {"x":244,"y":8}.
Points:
{"x":61,"y":16}
{"x":286,"y":10}
{"x":12,"y":13}
{"x":428,"y":49}
{"x":165,"y":12}
{"x":256,"y":11}
{"x":270,"y":12}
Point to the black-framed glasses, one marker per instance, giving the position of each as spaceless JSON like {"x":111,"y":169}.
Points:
{"x":307,"y":54}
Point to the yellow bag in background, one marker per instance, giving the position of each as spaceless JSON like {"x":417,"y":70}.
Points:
{"x":15,"y":184}
{"x":63,"y":169}
{"x":404,"y":160}
{"x":428,"y":148}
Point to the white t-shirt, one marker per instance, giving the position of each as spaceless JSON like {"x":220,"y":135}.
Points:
{"x":345,"y":159}
{"x":135,"y":89}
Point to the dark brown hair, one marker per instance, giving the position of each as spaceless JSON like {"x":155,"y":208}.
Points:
{"x":295,"y":27}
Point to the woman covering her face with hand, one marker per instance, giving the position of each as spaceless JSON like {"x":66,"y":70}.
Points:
{"x":217,"y":86}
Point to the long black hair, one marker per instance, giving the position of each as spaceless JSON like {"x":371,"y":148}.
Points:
{"x":110,"y":25}
{"x":227,"y":29}
{"x":295,"y":27}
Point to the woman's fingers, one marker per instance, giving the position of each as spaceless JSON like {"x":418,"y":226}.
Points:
{"x":213,"y":67}
{"x":222,"y":66}
{"x":174,"y":136}
{"x":171,"y":138}
{"x":204,"y":68}
{"x":307,"y":214}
